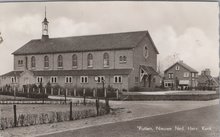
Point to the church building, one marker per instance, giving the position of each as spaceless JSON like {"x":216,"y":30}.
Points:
{"x":121,"y":60}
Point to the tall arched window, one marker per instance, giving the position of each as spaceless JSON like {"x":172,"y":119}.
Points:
{"x":74,"y":60}
{"x":90,"y":60}
{"x":60,"y":61}
{"x":106,"y":60}
{"x":33,"y":63}
{"x":46,"y":61}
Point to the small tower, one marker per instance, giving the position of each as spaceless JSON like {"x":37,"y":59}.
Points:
{"x":45,"y":23}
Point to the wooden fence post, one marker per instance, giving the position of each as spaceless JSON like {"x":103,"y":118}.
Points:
{"x":97,"y":106}
{"x":94,"y":92}
{"x":71,"y":111}
{"x":74,"y":92}
{"x":15,"y":115}
{"x":51,"y":91}
{"x":84,"y":96}
{"x":105,"y":92}
{"x":14,"y":93}
{"x":65,"y":94}
{"x":117,"y":95}
{"x":28,"y":91}
{"x":58,"y":91}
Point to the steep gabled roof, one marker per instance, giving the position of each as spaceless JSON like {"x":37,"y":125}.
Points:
{"x":112,"y":41}
{"x":204,"y":78}
{"x":183,"y":65}
{"x":149,"y":70}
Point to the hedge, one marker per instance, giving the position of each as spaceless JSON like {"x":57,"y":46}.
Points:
{"x":50,"y":117}
{"x":21,"y":94}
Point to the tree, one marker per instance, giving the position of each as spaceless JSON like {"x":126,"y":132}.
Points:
{"x":1,"y":39}
{"x":171,"y":59}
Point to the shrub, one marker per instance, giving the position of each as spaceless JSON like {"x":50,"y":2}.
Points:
{"x":143,"y":89}
{"x":21,"y":94}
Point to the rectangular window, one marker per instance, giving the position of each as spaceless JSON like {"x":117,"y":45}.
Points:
{"x":68,"y":79}
{"x":13,"y":79}
{"x":170,"y":75}
{"x":122,"y":59}
{"x":193,"y":75}
{"x":20,"y":63}
{"x":117,"y":79}
{"x":53,"y":79}
{"x":100,"y":79}
{"x":39,"y":79}
{"x":84,"y":79}
{"x":177,"y":67}
{"x":186,"y":74}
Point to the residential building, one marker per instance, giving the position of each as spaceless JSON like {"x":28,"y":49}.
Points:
{"x":180,"y":76}
{"x":121,"y":60}
{"x":206,"y":81}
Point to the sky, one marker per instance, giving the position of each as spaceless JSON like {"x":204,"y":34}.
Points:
{"x":180,"y":30}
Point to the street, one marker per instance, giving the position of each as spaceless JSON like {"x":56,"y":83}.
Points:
{"x":201,"y":122}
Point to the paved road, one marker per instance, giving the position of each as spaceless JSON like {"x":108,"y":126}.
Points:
{"x":158,"y":126}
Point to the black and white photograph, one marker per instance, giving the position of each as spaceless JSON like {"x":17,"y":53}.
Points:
{"x":109,"y":68}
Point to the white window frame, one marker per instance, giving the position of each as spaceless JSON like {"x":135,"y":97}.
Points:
{"x":144,"y":51}
{"x":186,"y":74}
{"x":106,"y":60}
{"x":20,"y":63}
{"x":193,"y":75}
{"x":74,"y":60}
{"x":166,"y":84}
{"x":177,"y":67}
{"x":100,"y":79}
{"x":13,"y":79}
{"x":170,"y":75}
{"x":123,"y":59}
{"x":90,"y":60}
{"x":84,"y":79}
{"x":39,"y":80}
{"x":53,"y":79}
{"x":68,"y":79}
{"x":117,"y":79}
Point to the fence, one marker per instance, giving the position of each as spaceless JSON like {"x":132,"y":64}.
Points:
{"x":77,"y":92}
{"x":50,"y":117}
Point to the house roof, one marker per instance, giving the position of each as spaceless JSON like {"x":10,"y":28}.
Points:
{"x":112,"y":41}
{"x":204,"y":78}
{"x":183,"y":65}
{"x":89,"y":72}
{"x":12,"y":73}
{"x":149,"y":70}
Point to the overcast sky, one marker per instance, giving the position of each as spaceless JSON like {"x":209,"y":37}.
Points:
{"x":189,"y":30}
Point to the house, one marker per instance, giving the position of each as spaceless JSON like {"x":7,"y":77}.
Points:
{"x":180,"y":76}
{"x":206,"y":81}
{"x":121,"y":60}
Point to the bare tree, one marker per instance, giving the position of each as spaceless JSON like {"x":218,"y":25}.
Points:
{"x":171,"y":59}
